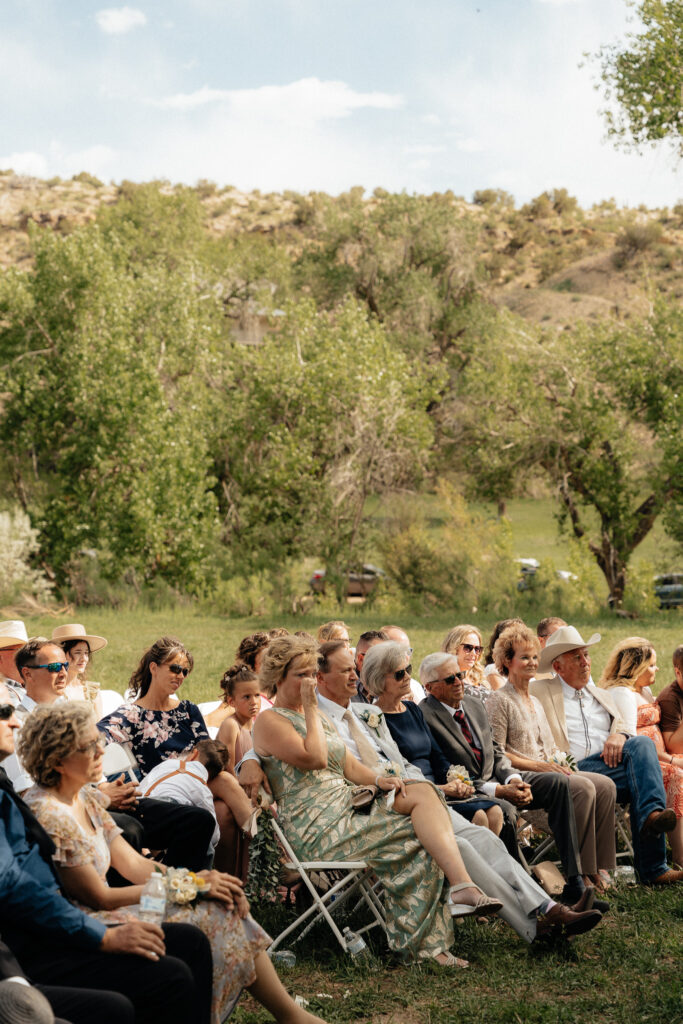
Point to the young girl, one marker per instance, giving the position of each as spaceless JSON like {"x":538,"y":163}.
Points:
{"x":242,"y":692}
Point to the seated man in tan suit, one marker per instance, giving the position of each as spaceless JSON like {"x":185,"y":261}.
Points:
{"x":586,"y":724}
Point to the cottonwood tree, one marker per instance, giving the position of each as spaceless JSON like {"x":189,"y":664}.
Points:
{"x":598,"y":410}
{"x":642,"y":78}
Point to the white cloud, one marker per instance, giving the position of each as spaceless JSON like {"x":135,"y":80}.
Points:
{"x":423,"y":150}
{"x":308,"y":101}
{"x":27,"y":162}
{"x":559,"y":3}
{"x":98,"y":159}
{"x":115,"y":21}
{"x":470,"y":145}
{"x":431,"y":119}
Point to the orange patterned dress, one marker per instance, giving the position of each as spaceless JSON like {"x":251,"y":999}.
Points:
{"x":648,"y":725}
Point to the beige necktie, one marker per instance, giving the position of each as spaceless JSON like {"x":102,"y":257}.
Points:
{"x":366,"y":750}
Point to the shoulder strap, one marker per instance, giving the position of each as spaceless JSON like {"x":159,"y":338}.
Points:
{"x":182,"y":770}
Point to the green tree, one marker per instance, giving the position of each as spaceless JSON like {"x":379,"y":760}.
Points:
{"x":642,"y":78}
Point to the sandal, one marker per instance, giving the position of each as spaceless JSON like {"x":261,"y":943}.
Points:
{"x":483,"y":907}
{"x":450,"y":961}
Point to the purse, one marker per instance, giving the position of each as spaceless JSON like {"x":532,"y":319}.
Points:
{"x":362,"y":798}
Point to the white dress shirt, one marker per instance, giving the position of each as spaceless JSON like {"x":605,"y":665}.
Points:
{"x":487,"y":788}
{"x":189,"y":787}
{"x":336,"y":712}
{"x":588,"y":722}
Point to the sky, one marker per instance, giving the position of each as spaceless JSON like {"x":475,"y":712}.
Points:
{"x":321,"y":95}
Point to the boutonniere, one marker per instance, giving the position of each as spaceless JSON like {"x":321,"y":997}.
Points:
{"x":372,"y":718}
{"x":565,"y":761}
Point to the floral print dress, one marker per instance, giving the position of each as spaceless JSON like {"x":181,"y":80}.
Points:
{"x":649,"y":716}
{"x":316,"y":815}
{"x":234,"y":942}
{"x":155,"y":735}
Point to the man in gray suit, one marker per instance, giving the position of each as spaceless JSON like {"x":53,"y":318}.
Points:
{"x":461,"y":728}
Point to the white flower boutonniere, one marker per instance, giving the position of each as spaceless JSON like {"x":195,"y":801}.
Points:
{"x":372,"y":718}
{"x":565,"y":761}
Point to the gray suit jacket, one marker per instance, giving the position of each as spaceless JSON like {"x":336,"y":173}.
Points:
{"x":495,"y":766}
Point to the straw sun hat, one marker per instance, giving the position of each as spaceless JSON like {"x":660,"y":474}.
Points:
{"x":75,"y":631}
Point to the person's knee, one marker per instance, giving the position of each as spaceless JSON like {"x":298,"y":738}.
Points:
{"x":495,"y":817}
{"x":480,"y":818}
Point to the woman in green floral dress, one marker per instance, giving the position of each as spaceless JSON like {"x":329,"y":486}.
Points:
{"x":312,"y":774}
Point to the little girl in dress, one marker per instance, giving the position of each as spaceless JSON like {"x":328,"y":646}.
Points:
{"x":242,"y":690}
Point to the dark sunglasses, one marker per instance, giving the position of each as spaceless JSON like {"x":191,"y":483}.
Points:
{"x":401,"y":673}
{"x":471,"y":647}
{"x":6,"y":712}
{"x":450,"y":680}
{"x":178,"y":670}
{"x":53,"y":666}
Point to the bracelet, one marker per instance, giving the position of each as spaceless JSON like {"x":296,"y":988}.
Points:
{"x":377,"y":778}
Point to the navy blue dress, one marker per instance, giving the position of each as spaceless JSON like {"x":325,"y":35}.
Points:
{"x":414,"y":739}
{"x":155,"y":735}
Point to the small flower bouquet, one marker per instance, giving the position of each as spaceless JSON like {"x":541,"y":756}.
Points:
{"x":457,"y":773}
{"x":372,"y":718}
{"x":183,"y":886}
{"x":565,"y":761}
{"x":393,"y":770}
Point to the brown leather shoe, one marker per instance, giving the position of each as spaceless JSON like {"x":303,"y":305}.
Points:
{"x":589,"y":901}
{"x":668,"y":878}
{"x":659,"y":822}
{"x":561,"y":920}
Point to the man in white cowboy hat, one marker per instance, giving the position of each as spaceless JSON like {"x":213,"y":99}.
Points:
{"x":586,"y":723}
{"x":13,"y":636}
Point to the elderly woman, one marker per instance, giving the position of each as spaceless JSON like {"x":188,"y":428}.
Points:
{"x":386,"y":675}
{"x":312,"y":775}
{"x":520,"y":726}
{"x":62,"y":750}
{"x":156,"y":726}
{"x":629,"y":675}
{"x":465,"y":643}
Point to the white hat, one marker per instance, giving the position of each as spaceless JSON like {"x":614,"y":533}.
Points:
{"x":564,"y":639}
{"x":12,"y":632}
{"x":75,"y":631}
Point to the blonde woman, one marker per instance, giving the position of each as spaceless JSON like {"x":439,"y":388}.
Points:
{"x":465,"y":643}
{"x":629,"y":675}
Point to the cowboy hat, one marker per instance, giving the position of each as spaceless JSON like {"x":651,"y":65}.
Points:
{"x":74,"y":631}
{"x":12,"y":632}
{"x":567,"y":638}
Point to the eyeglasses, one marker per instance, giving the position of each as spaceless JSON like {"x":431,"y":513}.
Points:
{"x":53,"y":666}
{"x":6,"y":712}
{"x":178,"y":670}
{"x":472,"y":647}
{"x":92,"y":748}
{"x":450,"y":680}
{"x":401,"y":673}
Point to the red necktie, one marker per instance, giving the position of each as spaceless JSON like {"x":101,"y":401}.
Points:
{"x":467,"y":733}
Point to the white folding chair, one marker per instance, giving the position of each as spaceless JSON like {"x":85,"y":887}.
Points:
{"x":356,"y":880}
{"x":117,"y":759}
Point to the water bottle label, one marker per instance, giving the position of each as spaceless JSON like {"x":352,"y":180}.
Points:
{"x":152,"y":904}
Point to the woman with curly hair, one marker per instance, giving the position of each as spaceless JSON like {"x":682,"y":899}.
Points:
{"x":629,"y":675}
{"x":62,"y":749}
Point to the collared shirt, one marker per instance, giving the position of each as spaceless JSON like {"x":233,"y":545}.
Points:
{"x":15,"y":690}
{"x":588,"y":722}
{"x":29,"y":892}
{"x":488,"y":788}
{"x":336,"y":712}
{"x":16,"y":773}
{"x":189,"y":786}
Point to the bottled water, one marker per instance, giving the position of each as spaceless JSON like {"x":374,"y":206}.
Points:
{"x":153,"y":898}
{"x":284,"y":957}
{"x":355,"y":944}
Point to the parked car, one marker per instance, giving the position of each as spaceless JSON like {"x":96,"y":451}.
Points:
{"x":360,"y":582}
{"x":669,"y":589}
{"x":530,"y":566}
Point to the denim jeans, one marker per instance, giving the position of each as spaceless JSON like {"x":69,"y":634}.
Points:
{"x":638,"y":779}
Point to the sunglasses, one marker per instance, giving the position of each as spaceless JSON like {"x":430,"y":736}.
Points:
{"x":450,"y":680}
{"x":53,"y":666}
{"x":401,"y":673}
{"x":6,"y":712}
{"x":178,"y":670}
{"x":92,"y":748}
{"x":472,"y":647}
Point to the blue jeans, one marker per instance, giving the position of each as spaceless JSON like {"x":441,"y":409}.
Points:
{"x":638,"y":779}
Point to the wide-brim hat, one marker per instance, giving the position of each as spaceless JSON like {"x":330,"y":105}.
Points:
{"x":566,"y":638}
{"x":12,"y":632}
{"x":75,"y":631}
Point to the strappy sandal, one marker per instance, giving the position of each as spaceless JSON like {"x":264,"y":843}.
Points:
{"x":451,"y":961}
{"x":483,"y":907}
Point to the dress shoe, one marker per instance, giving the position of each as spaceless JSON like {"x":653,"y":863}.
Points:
{"x":659,"y":822}
{"x":589,"y":901}
{"x":561,"y":920}
{"x":668,"y":878}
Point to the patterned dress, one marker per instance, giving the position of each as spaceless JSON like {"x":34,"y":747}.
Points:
{"x":155,"y":735}
{"x":649,"y":716}
{"x":234,"y":942}
{"x":316,"y":814}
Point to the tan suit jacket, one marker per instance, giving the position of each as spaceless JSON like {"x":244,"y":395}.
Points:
{"x":549,"y":692}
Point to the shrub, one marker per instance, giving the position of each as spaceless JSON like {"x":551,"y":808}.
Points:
{"x":19,"y":543}
{"x":87,"y":179}
{"x":636,"y":238}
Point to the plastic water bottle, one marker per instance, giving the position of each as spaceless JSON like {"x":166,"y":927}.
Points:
{"x":153,"y":898}
{"x":284,"y":957}
{"x":355,"y":944}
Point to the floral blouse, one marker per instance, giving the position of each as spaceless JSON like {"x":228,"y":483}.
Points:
{"x":153,"y":735}
{"x":74,"y":846}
